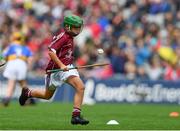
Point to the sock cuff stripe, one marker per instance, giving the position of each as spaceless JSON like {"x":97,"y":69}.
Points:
{"x":29,"y":93}
{"x":76,"y":108}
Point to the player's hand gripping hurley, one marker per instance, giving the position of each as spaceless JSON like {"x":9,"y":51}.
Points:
{"x":78,"y":67}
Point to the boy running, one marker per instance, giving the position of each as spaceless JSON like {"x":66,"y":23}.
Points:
{"x":61,"y":54}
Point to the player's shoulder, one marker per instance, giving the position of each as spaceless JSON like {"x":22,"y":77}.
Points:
{"x":25,"y":47}
{"x":59,"y":35}
{"x":12,"y":45}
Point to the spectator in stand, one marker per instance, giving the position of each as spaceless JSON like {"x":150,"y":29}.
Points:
{"x":147,"y":24}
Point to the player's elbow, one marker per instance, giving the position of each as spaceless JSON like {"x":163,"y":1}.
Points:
{"x":50,"y":53}
{"x":51,"y":50}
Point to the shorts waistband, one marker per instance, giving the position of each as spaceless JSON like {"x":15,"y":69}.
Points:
{"x":13,"y":57}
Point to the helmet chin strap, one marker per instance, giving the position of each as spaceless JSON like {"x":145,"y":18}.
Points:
{"x":72,"y":33}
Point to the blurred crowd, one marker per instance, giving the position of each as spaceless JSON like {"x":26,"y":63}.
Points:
{"x":140,"y":38}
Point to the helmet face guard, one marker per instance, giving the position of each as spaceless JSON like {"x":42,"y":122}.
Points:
{"x":73,"y":21}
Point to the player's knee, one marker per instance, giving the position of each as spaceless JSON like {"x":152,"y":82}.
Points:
{"x":81,"y":89}
{"x":48,"y":96}
{"x":49,"y":92}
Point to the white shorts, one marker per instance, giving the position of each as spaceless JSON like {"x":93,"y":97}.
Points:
{"x":15,"y":70}
{"x":54,"y":80}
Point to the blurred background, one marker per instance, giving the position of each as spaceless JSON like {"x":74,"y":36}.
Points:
{"x":140,"y":39}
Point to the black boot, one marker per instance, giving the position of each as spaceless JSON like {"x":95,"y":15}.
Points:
{"x":79,"y":120}
{"x":5,"y":102}
{"x":24,"y":96}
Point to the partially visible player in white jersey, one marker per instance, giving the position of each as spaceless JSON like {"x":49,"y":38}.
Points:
{"x":17,"y":55}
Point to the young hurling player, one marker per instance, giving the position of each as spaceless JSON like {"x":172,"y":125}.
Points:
{"x":61,"y":54}
{"x":17,"y":56}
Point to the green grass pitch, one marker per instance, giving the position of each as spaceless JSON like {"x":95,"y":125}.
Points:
{"x":56,"y":116}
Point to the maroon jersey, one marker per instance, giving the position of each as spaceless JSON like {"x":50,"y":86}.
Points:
{"x":63,"y":45}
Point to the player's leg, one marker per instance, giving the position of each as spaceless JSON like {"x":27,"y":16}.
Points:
{"x":43,"y":94}
{"x":38,"y":93}
{"x":35,"y":93}
{"x":77,"y":83}
{"x":10,"y":74}
{"x":9,"y":93}
{"x":23,"y":84}
{"x":21,"y":77}
{"x":46,"y":93}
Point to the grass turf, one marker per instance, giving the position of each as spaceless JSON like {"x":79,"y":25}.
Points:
{"x":56,"y":116}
